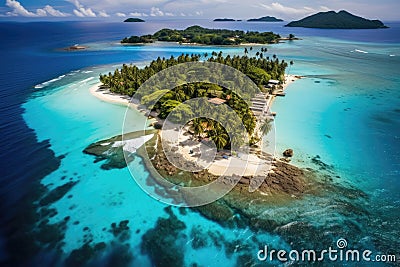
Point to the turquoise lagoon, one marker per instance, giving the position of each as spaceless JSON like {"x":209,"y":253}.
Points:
{"x":345,"y":110}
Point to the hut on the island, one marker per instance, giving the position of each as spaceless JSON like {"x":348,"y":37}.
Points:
{"x":273,"y":82}
{"x":216,"y":101}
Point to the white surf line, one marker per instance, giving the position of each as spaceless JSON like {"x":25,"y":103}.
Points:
{"x":86,"y":80}
{"x":41,"y":85}
{"x":360,"y":51}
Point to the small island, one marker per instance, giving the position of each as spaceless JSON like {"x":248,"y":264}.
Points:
{"x":204,"y":36}
{"x":224,"y":19}
{"x":336,"y":20}
{"x":265,"y":19}
{"x":284,"y":183}
{"x":75,"y":48}
{"x":134,"y":20}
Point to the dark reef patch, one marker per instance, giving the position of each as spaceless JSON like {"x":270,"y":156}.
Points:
{"x":322,"y":165}
{"x":56,"y":193}
{"x":199,"y":240}
{"x":162,"y":244}
{"x":121,"y":231}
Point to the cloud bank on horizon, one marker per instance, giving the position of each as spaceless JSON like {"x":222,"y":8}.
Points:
{"x":285,"y":9}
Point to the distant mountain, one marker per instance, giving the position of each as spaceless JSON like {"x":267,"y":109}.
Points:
{"x":266,"y":19}
{"x":225,"y":19}
{"x":134,"y":20}
{"x":333,"y":20}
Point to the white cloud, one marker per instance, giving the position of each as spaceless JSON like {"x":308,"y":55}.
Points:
{"x":103,"y":14}
{"x":54,"y":12}
{"x":20,"y":10}
{"x":41,"y":12}
{"x":156,"y":12}
{"x":78,"y":14}
{"x":82,"y":11}
{"x":240,"y":9}
{"x":119,"y":14}
{"x":291,"y":11}
{"x":138,"y":14}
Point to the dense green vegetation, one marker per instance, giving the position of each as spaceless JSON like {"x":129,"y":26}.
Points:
{"x":133,"y":20}
{"x":200,"y":35}
{"x":265,"y":19}
{"x":333,"y":20}
{"x":138,"y":39}
{"x":259,"y":69}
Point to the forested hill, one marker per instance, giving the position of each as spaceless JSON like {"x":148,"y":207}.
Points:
{"x":333,"y":20}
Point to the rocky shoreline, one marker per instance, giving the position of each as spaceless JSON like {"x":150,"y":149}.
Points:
{"x":284,"y":184}
{"x":261,"y":210}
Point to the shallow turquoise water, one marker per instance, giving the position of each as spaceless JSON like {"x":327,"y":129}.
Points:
{"x":344,"y":110}
{"x":72,"y":118}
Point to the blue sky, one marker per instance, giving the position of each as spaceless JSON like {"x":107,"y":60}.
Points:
{"x":174,"y":9}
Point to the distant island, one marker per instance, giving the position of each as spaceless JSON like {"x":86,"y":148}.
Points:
{"x":225,"y":19}
{"x":204,"y":36}
{"x":265,"y":19}
{"x":336,"y":20}
{"x":134,"y":20}
{"x":76,"y":48}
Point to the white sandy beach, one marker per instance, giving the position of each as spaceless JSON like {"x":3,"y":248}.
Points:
{"x":289,"y":79}
{"x":107,"y":96}
{"x":206,"y":157}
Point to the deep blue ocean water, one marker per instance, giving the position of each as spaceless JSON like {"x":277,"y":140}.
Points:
{"x":351,"y":93}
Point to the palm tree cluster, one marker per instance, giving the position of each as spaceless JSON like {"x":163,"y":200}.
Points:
{"x":209,"y":128}
{"x":259,"y":69}
{"x":225,"y":127}
{"x":129,"y":78}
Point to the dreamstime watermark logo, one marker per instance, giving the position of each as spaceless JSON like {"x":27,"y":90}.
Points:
{"x":190,"y":152}
{"x":340,"y":253}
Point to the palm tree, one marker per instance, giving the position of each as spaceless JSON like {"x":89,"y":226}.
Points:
{"x":220,"y":139}
{"x":198,"y":127}
{"x":237,"y":139}
{"x":266,"y":126}
{"x":180,"y":95}
{"x":290,"y":66}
